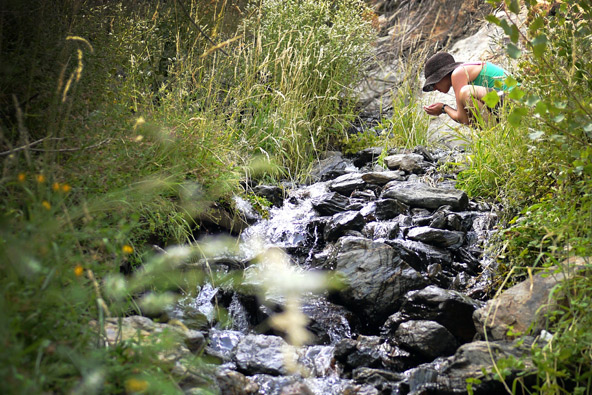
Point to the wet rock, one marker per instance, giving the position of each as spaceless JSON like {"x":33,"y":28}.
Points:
{"x":383,"y":380}
{"x":340,"y":223}
{"x":417,"y":194}
{"x":333,"y":166}
{"x":329,"y":322}
{"x":264,"y":354}
{"x":449,"y":376}
{"x":428,"y":338}
{"x":420,"y":255}
{"x":318,"y":361}
{"x":381,"y":230}
{"x":330,"y":203}
{"x":222,"y":344}
{"x":438,"y":237}
{"x":348,"y":183}
{"x":366,"y":194}
{"x":389,"y":208}
{"x":519,"y":307}
{"x":383,"y":177}
{"x":410,"y":163}
{"x":367,"y":352}
{"x":449,"y":308}
{"x":376,"y":277}
{"x":368,"y":155}
{"x":273,"y":194}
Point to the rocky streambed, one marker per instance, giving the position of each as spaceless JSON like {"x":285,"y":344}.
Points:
{"x":410,"y":315}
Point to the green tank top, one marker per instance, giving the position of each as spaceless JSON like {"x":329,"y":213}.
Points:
{"x":489,"y":74}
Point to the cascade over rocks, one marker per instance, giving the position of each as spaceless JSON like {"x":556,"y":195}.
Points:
{"x":407,"y":316}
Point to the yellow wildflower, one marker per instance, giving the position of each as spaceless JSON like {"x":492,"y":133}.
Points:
{"x":66,"y":188}
{"x":46,"y":205}
{"x":134,"y":385}
{"x":127,"y":249}
{"x":40,"y":178}
{"x":78,"y":270}
{"x":55,"y":186}
{"x":22,"y":177}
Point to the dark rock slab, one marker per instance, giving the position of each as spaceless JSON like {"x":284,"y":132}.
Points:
{"x":381,"y":230}
{"x":375,"y":275}
{"x":389,"y":208}
{"x":420,"y":255}
{"x":381,"y":379}
{"x":348,"y":183}
{"x":333,"y":166}
{"x":383,"y":177}
{"x":418,"y":194}
{"x":330,"y":203}
{"x":368,"y":155}
{"x":341,"y":223}
{"x":428,"y":338}
{"x":449,"y":308}
{"x":438,"y":237}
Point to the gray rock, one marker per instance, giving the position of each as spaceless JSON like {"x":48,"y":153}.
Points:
{"x":449,"y":376}
{"x":222,"y":344}
{"x":333,"y":166}
{"x":389,"y":208}
{"x":348,"y":183}
{"x":438,"y":237}
{"x":340,"y":223}
{"x":330,"y":203}
{"x":375,"y":275}
{"x":381,"y":230}
{"x":264,"y":354}
{"x":235,"y":383}
{"x":418,"y":194}
{"x":428,"y":338}
{"x":383,"y":177}
{"x":383,"y":380}
{"x":410,"y":163}
{"x":520,"y":307}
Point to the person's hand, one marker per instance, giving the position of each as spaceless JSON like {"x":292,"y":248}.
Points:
{"x":434,"y":109}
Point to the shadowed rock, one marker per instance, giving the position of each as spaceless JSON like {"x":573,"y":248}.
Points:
{"x":427,"y":338}
{"x":330,"y":203}
{"x":438,"y":237}
{"x":421,"y":195}
{"x":340,"y":223}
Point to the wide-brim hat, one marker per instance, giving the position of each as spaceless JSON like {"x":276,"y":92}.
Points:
{"x":437,"y":67}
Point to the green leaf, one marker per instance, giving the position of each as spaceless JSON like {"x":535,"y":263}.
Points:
{"x":535,"y":25}
{"x":513,"y":51}
{"x":516,"y":94}
{"x":513,"y":6}
{"x":532,"y":100}
{"x":491,"y":99}
{"x":493,"y":19}
{"x":516,"y":116}
{"x":536,"y":135}
{"x":510,"y":81}
{"x":541,"y":108}
{"x":588,"y":127}
{"x":558,"y":118}
{"x":539,"y":44}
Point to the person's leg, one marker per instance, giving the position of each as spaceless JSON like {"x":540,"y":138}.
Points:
{"x":471,"y":97}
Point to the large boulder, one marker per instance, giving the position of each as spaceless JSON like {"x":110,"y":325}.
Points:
{"x":426,"y":338}
{"x":417,"y":194}
{"x":449,"y":308}
{"x":375,"y":275}
{"x":519,"y":308}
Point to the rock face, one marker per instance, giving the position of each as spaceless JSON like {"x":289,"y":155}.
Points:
{"x":421,"y":195}
{"x":376,"y":278}
{"x":428,"y":338}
